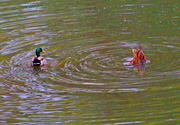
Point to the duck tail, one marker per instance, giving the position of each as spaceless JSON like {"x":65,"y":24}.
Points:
{"x":36,"y":62}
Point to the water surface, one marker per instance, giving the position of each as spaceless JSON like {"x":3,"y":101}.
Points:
{"x":89,"y":78}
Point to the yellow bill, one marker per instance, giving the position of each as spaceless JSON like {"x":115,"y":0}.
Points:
{"x":43,"y":51}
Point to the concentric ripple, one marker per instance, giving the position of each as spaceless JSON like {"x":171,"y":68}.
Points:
{"x":102,"y":66}
{"x":108,"y":64}
{"x":96,"y":65}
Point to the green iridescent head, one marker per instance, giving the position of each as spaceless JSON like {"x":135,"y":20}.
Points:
{"x":38,"y":50}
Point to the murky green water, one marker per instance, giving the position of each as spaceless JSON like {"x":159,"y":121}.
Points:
{"x":89,"y":79}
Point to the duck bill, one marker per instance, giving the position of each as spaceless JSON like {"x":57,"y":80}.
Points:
{"x":43,"y":51}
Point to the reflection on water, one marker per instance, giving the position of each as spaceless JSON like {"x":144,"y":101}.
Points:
{"x":38,"y":69}
{"x":139,"y":69}
{"x":89,"y":78}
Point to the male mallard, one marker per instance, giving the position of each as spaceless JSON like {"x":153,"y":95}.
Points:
{"x":39,"y":61}
{"x":139,"y":57}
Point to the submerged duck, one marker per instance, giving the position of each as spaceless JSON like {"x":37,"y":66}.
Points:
{"x":39,"y":61}
{"x":139,"y":57}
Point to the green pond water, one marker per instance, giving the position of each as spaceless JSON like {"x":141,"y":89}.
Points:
{"x":88,"y":45}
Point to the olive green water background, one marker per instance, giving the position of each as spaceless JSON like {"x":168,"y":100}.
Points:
{"x":89,"y":79}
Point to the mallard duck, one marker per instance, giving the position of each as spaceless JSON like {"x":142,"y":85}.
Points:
{"x":139,"y":57}
{"x":39,"y":61}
